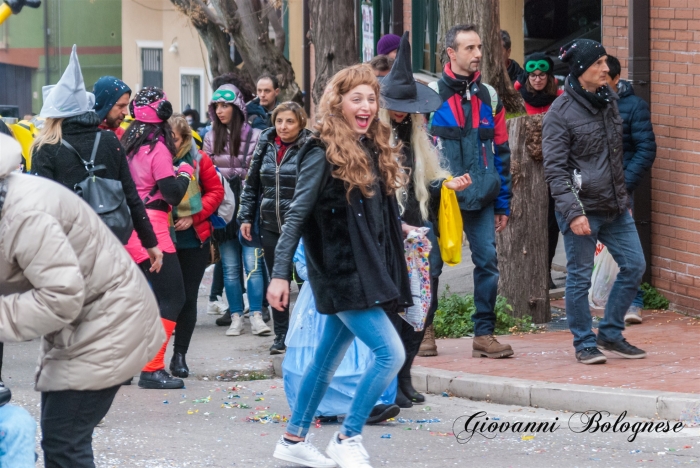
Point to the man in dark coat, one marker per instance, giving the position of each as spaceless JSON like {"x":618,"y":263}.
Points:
{"x":111,"y":103}
{"x":582,"y":147}
{"x":515,"y":71}
{"x":639,"y":147}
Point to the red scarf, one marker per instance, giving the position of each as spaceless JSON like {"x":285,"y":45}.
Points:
{"x":281,"y":148}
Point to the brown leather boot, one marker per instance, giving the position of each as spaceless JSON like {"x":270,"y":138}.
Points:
{"x":428,"y":346}
{"x":488,"y":346}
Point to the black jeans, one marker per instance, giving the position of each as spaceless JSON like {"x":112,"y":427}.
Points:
{"x":193,"y":262}
{"x":167,"y":286}
{"x":269,"y":242}
{"x":68,"y":418}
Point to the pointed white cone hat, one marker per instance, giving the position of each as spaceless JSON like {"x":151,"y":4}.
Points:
{"x":68,"y":97}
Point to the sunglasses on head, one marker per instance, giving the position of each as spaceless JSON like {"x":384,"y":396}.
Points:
{"x":542,"y":65}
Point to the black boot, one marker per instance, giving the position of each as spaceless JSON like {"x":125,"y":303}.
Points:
{"x":402,"y":400}
{"x":224,"y":320}
{"x":407,"y":389}
{"x":382,"y":413}
{"x":160,"y":380}
{"x":178,"y":365}
{"x":278,"y":346}
{"x":266,"y":314}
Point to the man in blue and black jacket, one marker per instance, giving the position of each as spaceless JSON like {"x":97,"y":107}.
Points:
{"x":470,"y":130}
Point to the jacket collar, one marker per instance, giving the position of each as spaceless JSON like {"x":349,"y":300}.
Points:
{"x":579,"y":99}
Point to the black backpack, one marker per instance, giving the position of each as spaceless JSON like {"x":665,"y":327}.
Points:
{"x":105,"y":196}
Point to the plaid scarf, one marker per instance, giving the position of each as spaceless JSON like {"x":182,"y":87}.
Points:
{"x":191,"y":203}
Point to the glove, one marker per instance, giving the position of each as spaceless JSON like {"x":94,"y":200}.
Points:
{"x":186,"y":169}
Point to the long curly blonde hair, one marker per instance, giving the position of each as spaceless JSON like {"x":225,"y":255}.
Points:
{"x":428,"y":164}
{"x":343,"y":148}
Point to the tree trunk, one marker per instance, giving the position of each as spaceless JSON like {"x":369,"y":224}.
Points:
{"x":247,"y":21}
{"x":212,"y":35}
{"x":485,"y":14}
{"x":333,"y":36}
{"x":522,"y":246}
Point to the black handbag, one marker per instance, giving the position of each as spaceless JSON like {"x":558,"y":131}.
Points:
{"x":105,"y":196}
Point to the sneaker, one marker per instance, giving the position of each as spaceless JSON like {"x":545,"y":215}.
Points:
{"x":236,"y":327}
{"x":590,"y":355}
{"x":278,"y":346}
{"x":302,"y":453}
{"x":224,"y":320}
{"x":257,"y":326}
{"x":382,"y":412}
{"x":159,"y":380}
{"x":633,"y":315}
{"x":217,"y":307}
{"x":348,"y":453}
{"x":621,"y":348}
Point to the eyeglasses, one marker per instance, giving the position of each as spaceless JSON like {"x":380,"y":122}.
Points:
{"x":532,"y":65}
{"x":541,"y":77}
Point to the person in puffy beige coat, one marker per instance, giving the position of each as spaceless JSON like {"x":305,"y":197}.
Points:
{"x":66,"y":278}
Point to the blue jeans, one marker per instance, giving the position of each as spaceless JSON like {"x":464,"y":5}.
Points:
{"x":17,"y":433}
{"x":373,"y":327}
{"x":639,"y":298}
{"x":619,"y":234}
{"x":480,"y":228}
{"x":232,"y":253}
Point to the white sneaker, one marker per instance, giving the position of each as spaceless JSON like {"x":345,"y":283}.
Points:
{"x":633,"y":315}
{"x":257,"y":326}
{"x":348,"y":453}
{"x":302,"y":453}
{"x":236,"y":327}
{"x":217,"y":307}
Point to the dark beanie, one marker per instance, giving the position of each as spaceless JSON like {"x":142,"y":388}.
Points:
{"x":107,"y":91}
{"x":536,"y":57}
{"x":581,"y":54}
{"x":388,"y":43}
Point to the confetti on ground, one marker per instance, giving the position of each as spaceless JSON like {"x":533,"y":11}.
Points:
{"x":263,"y":417}
{"x":441,"y":434}
{"x":445,"y":394}
{"x":228,"y":405}
{"x":427,"y":408}
{"x":259,"y":399}
{"x":202,"y":400}
{"x":192,"y":412}
{"x":165,"y":402}
{"x":527,"y":437}
{"x":386,"y":436}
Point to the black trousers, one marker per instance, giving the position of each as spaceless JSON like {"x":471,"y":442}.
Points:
{"x":269,"y":242}
{"x":68,"y":418}
{"x":193,"y":262}
{"x":552,"y":231}
{"x":412,"y":339}
{"x":167,"y":286}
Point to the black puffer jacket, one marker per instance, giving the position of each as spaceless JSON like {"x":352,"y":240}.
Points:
{"x":276,"y":183}
{"x":579,"y":138}
{"x":58,"y":163}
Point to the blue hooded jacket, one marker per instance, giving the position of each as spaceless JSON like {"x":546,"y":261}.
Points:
{"x":639,"y":144}
{"x":107,"y":91}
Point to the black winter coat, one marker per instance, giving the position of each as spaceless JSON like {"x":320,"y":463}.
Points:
{"x":58,"y":163}
{"x":578,"y":138}
{"x":638,"y":141}
{"x":275,"y":183}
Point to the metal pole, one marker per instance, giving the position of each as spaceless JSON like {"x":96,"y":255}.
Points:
{"x":639,"y":74}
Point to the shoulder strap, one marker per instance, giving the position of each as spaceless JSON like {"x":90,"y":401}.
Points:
{"x":73,"y":150}
{"x":94,"y":147}
{"x":494,"y":97}
{"x":89,"y":165}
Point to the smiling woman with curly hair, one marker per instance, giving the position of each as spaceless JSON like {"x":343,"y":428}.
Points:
{"x":345,"y":209}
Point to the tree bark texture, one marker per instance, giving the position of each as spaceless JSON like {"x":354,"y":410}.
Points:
{"x":485,"y":14}
{"x":247,"y":22}
{"x":333,"y":36}
{"x":522,"y":246}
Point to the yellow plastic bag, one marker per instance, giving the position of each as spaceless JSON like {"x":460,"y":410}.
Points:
{"x":450,"y":227}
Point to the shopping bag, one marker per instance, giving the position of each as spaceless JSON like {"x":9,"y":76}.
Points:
{"x":605,"y":272}
{"x":417,"y":249}
{"x":450,"y":227}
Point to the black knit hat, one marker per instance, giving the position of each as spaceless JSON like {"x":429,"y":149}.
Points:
{"x":581,"y":54}
{"x":539,"y":57}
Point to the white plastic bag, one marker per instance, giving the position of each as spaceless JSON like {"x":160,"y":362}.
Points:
{"x":605,"y":272}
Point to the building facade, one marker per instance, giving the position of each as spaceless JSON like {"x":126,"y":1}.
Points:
{"x":36,"y":44}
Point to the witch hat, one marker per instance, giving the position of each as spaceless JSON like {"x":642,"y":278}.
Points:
{"x":68,"y":97}
{"x":399,"y":90}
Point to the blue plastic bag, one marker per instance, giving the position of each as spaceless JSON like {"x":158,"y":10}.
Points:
{"x":305,"y":328}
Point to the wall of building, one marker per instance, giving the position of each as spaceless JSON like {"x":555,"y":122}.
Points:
{"x":158,"y":24}
{"x":94,"y":25}
{"x":675,"y":99}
